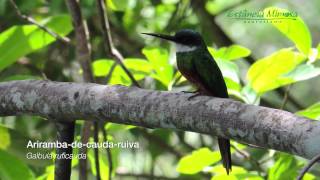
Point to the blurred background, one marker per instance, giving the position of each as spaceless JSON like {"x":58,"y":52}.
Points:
{"x":267,"y":63}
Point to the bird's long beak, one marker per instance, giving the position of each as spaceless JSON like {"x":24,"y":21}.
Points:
{"x":162,"y":36}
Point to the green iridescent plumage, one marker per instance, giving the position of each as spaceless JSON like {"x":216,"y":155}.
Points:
{"x":198,"y":66}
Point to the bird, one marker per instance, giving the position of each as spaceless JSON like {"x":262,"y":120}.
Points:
{"x":197,"y":65}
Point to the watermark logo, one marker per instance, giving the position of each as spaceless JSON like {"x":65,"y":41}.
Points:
{"x":262,"y":16}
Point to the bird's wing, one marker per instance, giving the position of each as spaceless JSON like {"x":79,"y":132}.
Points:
{"x":211,"y":76}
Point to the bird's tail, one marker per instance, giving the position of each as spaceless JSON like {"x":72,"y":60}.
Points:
{"x":224,"y":146}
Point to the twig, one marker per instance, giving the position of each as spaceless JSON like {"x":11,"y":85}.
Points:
{"x":33,"y":21}
{"x":96,"y":150}
{"x":285,"y":97}
{"x":248,"y":157}
{"x":105,"y":139}
{"x":308,"y":166}
{"x":108,"y":43}
{"x":109,"y":75}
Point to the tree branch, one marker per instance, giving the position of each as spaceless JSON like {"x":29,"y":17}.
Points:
{"x":65,"y":133}
{"x":34,"y":22}
{"x":83,"y":55}
{"x":260,"y":126}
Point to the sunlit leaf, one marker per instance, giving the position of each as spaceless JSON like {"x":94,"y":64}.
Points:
{"x":318,"y":50}
{"x":159,"y":60}
{"x":313,"y":55}
{"x":19,"y":41}
{"x":13,"y":168}
{"x":4,"y":137}
{"x":286,"y":167}
{"x":229,"y":70}
{"x":232,"y":85}
{"x":291,"y":26}
{"x":268,"y":73}
{"x":138,"y":67}
{"x":232,"y":52}
{"x":237,"y":173}
{"x":303,"y":72}
{"x":117,"y":5}
{"x":250,"y":95}
{"x":312,"y":112}
{"x":101,"y":67}
{"x":198,"y":160}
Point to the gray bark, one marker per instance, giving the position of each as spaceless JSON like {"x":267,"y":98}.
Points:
{"x":261,"y":126}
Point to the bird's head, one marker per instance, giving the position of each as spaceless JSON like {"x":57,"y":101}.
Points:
{"x":185,"y":40}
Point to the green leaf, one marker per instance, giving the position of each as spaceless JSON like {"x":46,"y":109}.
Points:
{"x":286,"y":167}
{"x":249,"y":95}
{"x":303,"y":72}
{"x":159,"y":59}
{"x":13,"y":168}
{"x":229,"y":53}
{"x":19,"y":41}
{"x":101,"y":67}
{"x":117,"y":5}
{"x":4,"y":138}
{"x":312,"y":112}
{"x":139,"y":68}
{"x":237,"y":173}
{"x":198,"y":160}
{"x":104,"y":167}
{"x":268,"y":73}
{"x":318,"y":49}
{"x":232,"y":85}
{"x":291,"y":26}
{"x":229,"y":70}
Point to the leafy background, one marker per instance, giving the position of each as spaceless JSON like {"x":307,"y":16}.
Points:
{"x":269,"y":64}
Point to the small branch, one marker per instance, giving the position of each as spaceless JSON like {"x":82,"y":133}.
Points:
{"x":96,"y":150}
{"x":65,"y":133}
{"x":105,"y":139}
{"x":248,"y":157}
{"x":249,"y":124}
{"x":34,"y":22}
{"x":308,"y":166}
{"x":285,"y":97}
{"x":108,"y":43}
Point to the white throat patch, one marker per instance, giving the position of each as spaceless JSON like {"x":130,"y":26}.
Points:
{"x":184,"y":48}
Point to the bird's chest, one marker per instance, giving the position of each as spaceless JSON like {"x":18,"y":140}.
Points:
{"x":185,"y":63}
{"x":186,"y":67}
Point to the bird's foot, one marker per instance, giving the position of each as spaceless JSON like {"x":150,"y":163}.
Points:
{"x":194,"y":95}
{"x":196,"y":91}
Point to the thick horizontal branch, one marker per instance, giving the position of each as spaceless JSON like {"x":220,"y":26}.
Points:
{"x":261,"y":126}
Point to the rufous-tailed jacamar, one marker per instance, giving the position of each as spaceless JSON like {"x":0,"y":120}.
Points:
{"x":197,"y":65}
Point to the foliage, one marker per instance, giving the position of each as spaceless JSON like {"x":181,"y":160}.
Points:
{"x":28,"y":52}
